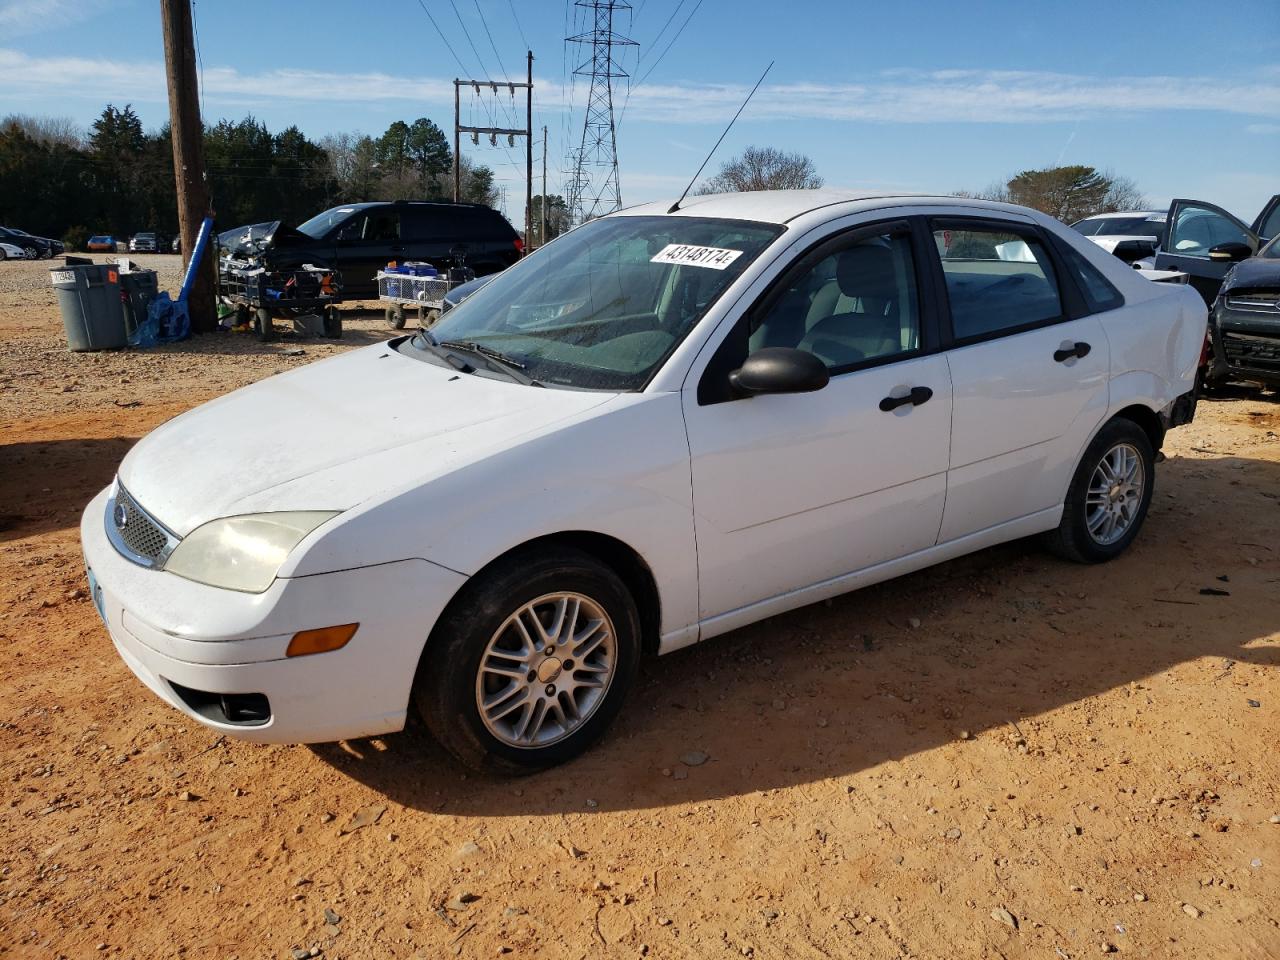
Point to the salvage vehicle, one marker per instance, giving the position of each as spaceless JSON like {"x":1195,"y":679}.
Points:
{"x":666,"y":424}
{"x":9,"y":251}
{"x":1130,"y":235}
{"x":144,"y":243}
{"x":101,"y":243}
{"x":359,"y":239}
{"x":1244,"y":322}
{"x":1205,"y":240}
{"x":33,"y":248}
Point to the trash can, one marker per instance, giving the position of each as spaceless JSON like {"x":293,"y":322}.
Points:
{"x":137,"y":289}
{"x":89,"y":298}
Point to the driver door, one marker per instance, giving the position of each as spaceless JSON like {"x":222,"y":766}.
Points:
{"x":1268,"y":223}
{"x":1193,"y":228}
{"x":791,"y":490}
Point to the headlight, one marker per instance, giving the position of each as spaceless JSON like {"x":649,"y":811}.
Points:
{"x":243,"y":553}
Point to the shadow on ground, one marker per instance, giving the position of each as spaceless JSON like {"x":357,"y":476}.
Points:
{"x":841,"y":687}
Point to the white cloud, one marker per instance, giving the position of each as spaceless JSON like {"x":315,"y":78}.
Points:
{"x":893,"y":96}
{"x":20,"y":17}
{"x":1265,"y":129}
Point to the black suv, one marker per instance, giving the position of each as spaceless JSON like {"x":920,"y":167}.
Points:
{"x":362,"y":238}
{"x":36,"y":247}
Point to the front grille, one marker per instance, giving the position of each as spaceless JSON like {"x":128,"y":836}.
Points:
{"x":1255,"y":301}
{"x":135,"y":533}
{"x":1247,"y":350}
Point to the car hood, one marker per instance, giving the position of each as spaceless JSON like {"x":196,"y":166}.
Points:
{"x":255,"y":237}
{"x":1261,"y":272}
{"x":334,"y":434}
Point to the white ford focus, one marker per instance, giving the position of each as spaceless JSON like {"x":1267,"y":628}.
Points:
{"x":661,"y":426}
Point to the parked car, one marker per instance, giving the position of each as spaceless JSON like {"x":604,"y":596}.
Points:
{"x":176,"y":246}
{"x":1205,"y":241}
{"x":35,"y":248}
{"x":654,"y":430}
{"x":1130,"y":235}
{"x":144,"y":243}
{"x":1244,"y":322}
{"x":361,"y":238}
{"x":9,"y":251}
{"x":463,"y":290}
{"x":103,"y":243}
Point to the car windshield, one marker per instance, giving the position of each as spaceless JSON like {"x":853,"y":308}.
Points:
{"x":1142,"y":226}
{"x":320,"y":225}
{"x":602,"y":307}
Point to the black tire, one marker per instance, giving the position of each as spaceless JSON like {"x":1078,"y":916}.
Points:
{"x":333,"y":323}
{"x":3,"y":255}
{"x":262,"y":325}
{"x":1072,"y":539}
{"x":444,"y":690}
{"x":394,"y":315}
{"x":31,"y":253}
{"x":240,"y":315}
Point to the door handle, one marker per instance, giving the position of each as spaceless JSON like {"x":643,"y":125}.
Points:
{"x":1066,"y":353}
{"x":917,"y":396}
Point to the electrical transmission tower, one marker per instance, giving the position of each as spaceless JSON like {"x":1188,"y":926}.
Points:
{"x":594,"y":189}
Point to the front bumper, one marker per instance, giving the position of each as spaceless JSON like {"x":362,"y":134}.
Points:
{"x":1245,"y":346}
{"x":179,"y":636}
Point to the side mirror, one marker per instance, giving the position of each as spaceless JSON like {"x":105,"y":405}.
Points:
{"x":779,"y":370}
{"x":1230,"y":252}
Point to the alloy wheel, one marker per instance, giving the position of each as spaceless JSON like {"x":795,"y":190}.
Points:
{"x":546,"y":670}
{"x":1115,"y":494}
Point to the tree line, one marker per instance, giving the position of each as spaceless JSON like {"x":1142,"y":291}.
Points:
{"x":58,"y":180}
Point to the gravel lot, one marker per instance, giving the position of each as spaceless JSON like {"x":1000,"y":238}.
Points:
{"x":1002,"y":757}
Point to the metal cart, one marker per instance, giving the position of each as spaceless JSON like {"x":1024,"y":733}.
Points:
{"x":400,"y":290}
{"x":259,"y":294}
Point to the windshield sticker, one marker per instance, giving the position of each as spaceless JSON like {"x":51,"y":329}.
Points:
{"x":717,"y":258}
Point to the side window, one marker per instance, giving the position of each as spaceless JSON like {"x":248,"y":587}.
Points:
{"x":1098,"y":292}
{"x":1271,"y":226}
{"x":855,"y":304}
{"x":997,"y":280}
{"x":1195,"y":229}
{"x":353,"y":229}
{"x":383,"y":225}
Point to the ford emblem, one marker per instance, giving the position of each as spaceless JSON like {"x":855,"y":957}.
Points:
{"x":120,"y":516}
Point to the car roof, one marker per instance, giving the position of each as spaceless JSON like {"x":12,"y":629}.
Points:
{"x":784,"y":206}
{"x":1148,"y":214}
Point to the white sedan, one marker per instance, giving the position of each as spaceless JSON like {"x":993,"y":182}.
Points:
{"x":664,"y":425}
{"x":9,"y":252}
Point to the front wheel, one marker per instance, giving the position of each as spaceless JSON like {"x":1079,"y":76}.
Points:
{"x":394,"y":315}
{"x":530,"y":663}
{"x":1109,"y":495}
{"x":31,"y":253}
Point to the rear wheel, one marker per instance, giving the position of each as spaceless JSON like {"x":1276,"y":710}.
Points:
{"x":531,"y":663}
{"x":31,"y":253}
{"x":3,"y":255}
{"x":333,"y":323}
{"x":262,"y":324}
{"x":1109,"y":495}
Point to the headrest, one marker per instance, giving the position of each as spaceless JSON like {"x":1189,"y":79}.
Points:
{"x":867,"y":271}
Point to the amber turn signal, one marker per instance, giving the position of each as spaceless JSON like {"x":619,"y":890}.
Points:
{"x":321,"y":641}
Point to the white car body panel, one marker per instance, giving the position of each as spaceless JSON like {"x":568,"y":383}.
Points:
{"x":13,"y":253}
{"x":740,"y":510}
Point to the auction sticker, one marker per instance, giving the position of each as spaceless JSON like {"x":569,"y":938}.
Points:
{"x":63,"y":276}
{"x":716,"y":258}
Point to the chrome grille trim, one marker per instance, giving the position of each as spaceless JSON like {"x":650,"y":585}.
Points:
{"x":1256,"y":302}
{"x":141,"y":539}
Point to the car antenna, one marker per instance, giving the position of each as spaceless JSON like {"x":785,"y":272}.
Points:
{"x":676,"y":206}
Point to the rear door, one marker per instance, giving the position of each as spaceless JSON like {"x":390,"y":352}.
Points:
{"x":1268,"y":223}
{"x":1029,"y":372}
{"x":365,"y":244}
{"x":1195,"y":227}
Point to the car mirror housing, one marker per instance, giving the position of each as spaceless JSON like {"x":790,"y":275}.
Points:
{"x":779,"y":370}
{"x":1232,"y":252}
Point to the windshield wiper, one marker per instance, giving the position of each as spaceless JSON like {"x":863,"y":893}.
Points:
{"x":497,"y":360}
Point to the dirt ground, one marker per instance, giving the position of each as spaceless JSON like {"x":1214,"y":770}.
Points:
{"x":1003,"y":757}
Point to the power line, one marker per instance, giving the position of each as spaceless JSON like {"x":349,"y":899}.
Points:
{"x":670,"y":44}
{"x":452,"y":52}
{"x":467,"y":33}
{"x":516,"y":17}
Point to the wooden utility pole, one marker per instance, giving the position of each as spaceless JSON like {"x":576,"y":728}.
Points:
{"x":528,"y":167}
{"x":188,"y":154}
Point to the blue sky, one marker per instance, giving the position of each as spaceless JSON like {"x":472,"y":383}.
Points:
{"x":931,"y":97}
